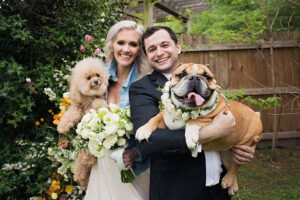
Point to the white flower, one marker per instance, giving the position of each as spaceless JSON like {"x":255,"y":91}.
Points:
{"x":111,"y":118}
{"x":66,"y":95}
{"x":94,"y":149}
{"x":121,"y":141}
{"x":28,"y":80}
{"x":110,"y":141}
{"x":164,"y":97}
{"x":113,"y":107}
{"x":121,"y":132}
{"x":185,"y":116}
{"x":103,"y":15}
{"x":111,"y":129}
{"x":129,"y":127}
{"x":102,"y":20}
{"x":195,"y":114}
{"x":178,"y":113}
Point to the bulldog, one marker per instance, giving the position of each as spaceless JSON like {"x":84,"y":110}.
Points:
{"x":191,"y":100}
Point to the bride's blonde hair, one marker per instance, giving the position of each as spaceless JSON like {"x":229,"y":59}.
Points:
{"x":142,"y":63}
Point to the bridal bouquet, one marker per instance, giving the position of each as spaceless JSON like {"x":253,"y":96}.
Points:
{"x":108,"y":130}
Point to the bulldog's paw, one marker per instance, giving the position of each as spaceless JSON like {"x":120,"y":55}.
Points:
{"x":192,"y":136}
{"x":143,"y":133}
{"x":230,"y":182}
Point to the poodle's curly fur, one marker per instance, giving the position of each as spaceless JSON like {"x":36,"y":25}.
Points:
{"x":88,"y":85}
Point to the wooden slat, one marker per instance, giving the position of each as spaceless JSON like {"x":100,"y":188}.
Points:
{"x":239,"y":46}
{"x":266,"y":91}
{"x":282,"y":135}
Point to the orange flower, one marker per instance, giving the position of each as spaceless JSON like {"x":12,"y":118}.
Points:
{"x":57,"y":117}
{"x":65,"y":102}
{"x":37,"y":123}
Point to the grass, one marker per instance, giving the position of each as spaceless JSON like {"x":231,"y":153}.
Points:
{"x":270,"y":176}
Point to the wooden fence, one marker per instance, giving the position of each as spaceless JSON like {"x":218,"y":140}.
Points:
{"x":247,"y":66}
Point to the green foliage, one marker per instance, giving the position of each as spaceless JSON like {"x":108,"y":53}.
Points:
{"x":243,"y":20}
{"x":230,"y":21}
{"x":262,"y":104}
{"x":39,"y":44}
{"x":176,"y":24}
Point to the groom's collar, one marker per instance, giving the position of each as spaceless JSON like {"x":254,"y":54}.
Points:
{"x":158,"y":78}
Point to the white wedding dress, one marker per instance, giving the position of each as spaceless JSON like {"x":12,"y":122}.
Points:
{"x":105,"y":183}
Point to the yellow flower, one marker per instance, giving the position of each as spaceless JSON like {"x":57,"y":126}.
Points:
{"x":37,"y":123}
{"x":65,"y":102}
{"x":42,"y":119}
{"x":69,"y":188}
{"x":54,"y":195}
{"x":58,"y":117}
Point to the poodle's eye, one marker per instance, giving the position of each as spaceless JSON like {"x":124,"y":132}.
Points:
{"x":88,"y":78}
{"x":98,"y":75}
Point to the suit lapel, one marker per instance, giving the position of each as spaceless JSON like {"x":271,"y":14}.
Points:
{"x":158,"y":78}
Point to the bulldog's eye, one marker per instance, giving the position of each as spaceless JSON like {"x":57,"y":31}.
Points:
{"x":98,"y":75}
{"x":181,"y":75}
{"x":207,"y":76}
{"x":88,"y":78}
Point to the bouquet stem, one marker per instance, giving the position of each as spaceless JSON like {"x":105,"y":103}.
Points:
{"x":127,"y":176}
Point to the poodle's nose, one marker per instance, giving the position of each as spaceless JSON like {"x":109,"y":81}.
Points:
{"x":96,"y":82}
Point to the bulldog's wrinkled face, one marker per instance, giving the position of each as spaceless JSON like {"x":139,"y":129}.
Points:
{"x":192,"y":85}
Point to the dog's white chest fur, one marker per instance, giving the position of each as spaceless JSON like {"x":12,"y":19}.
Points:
{"x":173,"y":123}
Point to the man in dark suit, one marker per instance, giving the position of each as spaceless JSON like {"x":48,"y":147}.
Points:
{"x":174,"y":173}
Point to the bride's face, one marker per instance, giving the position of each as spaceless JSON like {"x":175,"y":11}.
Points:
{"x":126,"y":47}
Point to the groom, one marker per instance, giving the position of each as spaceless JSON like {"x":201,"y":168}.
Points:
{"x":174,"y":173}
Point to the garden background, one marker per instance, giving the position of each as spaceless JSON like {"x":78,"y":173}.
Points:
{"x":42,"y":40}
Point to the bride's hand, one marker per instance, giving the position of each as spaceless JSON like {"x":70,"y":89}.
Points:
{"x":129,"y":156}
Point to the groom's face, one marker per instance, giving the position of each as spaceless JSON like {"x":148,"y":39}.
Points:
{"x":162,"y":52}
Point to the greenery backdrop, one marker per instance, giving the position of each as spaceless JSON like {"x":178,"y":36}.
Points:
{"x":39,"y":43}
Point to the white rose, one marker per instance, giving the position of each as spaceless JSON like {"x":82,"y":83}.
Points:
{"x":195,"y":114}
{"x":178,"y":113}
{"x":111,"y":129}
{"x":94,"y":148}
{"x":111,"y":118}
{"x":129,"y":127}
{"x":185,"y":116}
{"x":121,"y":132}
{"x":66,"y":95}
{"x":164,"y":97}
{"x":121,"y":141}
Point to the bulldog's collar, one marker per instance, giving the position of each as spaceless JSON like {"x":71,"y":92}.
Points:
{"x":179,"y":112}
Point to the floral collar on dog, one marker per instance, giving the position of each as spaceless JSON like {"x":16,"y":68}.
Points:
{"x":178,"y":112}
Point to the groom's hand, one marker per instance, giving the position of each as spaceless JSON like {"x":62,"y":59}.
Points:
{"x":129,"y":156}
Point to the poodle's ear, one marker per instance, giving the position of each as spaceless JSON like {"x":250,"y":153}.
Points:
{"x":74,"y":93}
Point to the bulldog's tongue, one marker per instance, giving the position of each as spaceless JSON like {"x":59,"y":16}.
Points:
{"x":196,"y":97}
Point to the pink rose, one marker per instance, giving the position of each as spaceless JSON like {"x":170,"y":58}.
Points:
{"x":89,"y":38}
{"x":97,"y":51}
{"x":82,"y":48}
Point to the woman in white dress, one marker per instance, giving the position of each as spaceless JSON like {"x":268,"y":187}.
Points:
{"x":126,"y":64}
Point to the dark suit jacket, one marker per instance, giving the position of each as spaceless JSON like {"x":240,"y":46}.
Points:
{"x":174,"y":173}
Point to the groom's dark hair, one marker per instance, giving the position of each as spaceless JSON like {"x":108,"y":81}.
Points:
{"x":150,"y":31}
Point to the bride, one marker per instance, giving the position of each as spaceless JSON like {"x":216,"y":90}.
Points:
{"x":127,"y":64}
